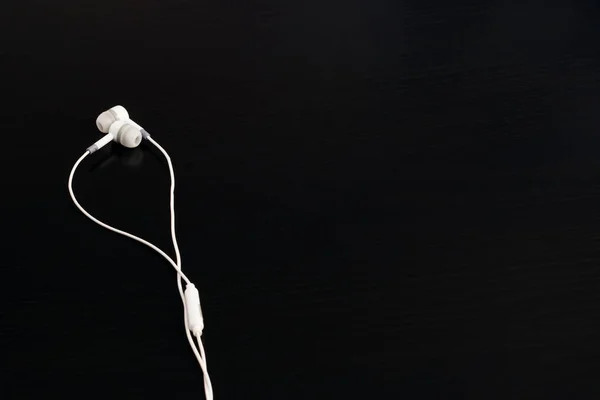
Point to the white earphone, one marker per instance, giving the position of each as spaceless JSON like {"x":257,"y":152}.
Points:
{"x":118,"y":127}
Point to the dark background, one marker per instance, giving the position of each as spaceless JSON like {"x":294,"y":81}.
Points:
{"x":376,"y":199}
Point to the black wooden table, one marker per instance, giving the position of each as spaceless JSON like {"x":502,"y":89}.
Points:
{"x":376,"y":200}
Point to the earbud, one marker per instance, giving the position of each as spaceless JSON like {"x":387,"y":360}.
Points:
{"x":117,"y":125}
{"x":108,"y":117}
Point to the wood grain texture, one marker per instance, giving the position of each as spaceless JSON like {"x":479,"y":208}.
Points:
{"x":375,"y":199}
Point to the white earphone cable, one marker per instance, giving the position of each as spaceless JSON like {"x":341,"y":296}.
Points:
{"x":177,"y":265}
{"x":110,"y":228}
{"x":207,"y":382}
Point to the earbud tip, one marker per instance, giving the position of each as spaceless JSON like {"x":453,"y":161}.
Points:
{"x":104,"y":121}
{"x":130,"y":136}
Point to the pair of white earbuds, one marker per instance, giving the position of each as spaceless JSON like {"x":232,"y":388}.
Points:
{"x":118,"y":127}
